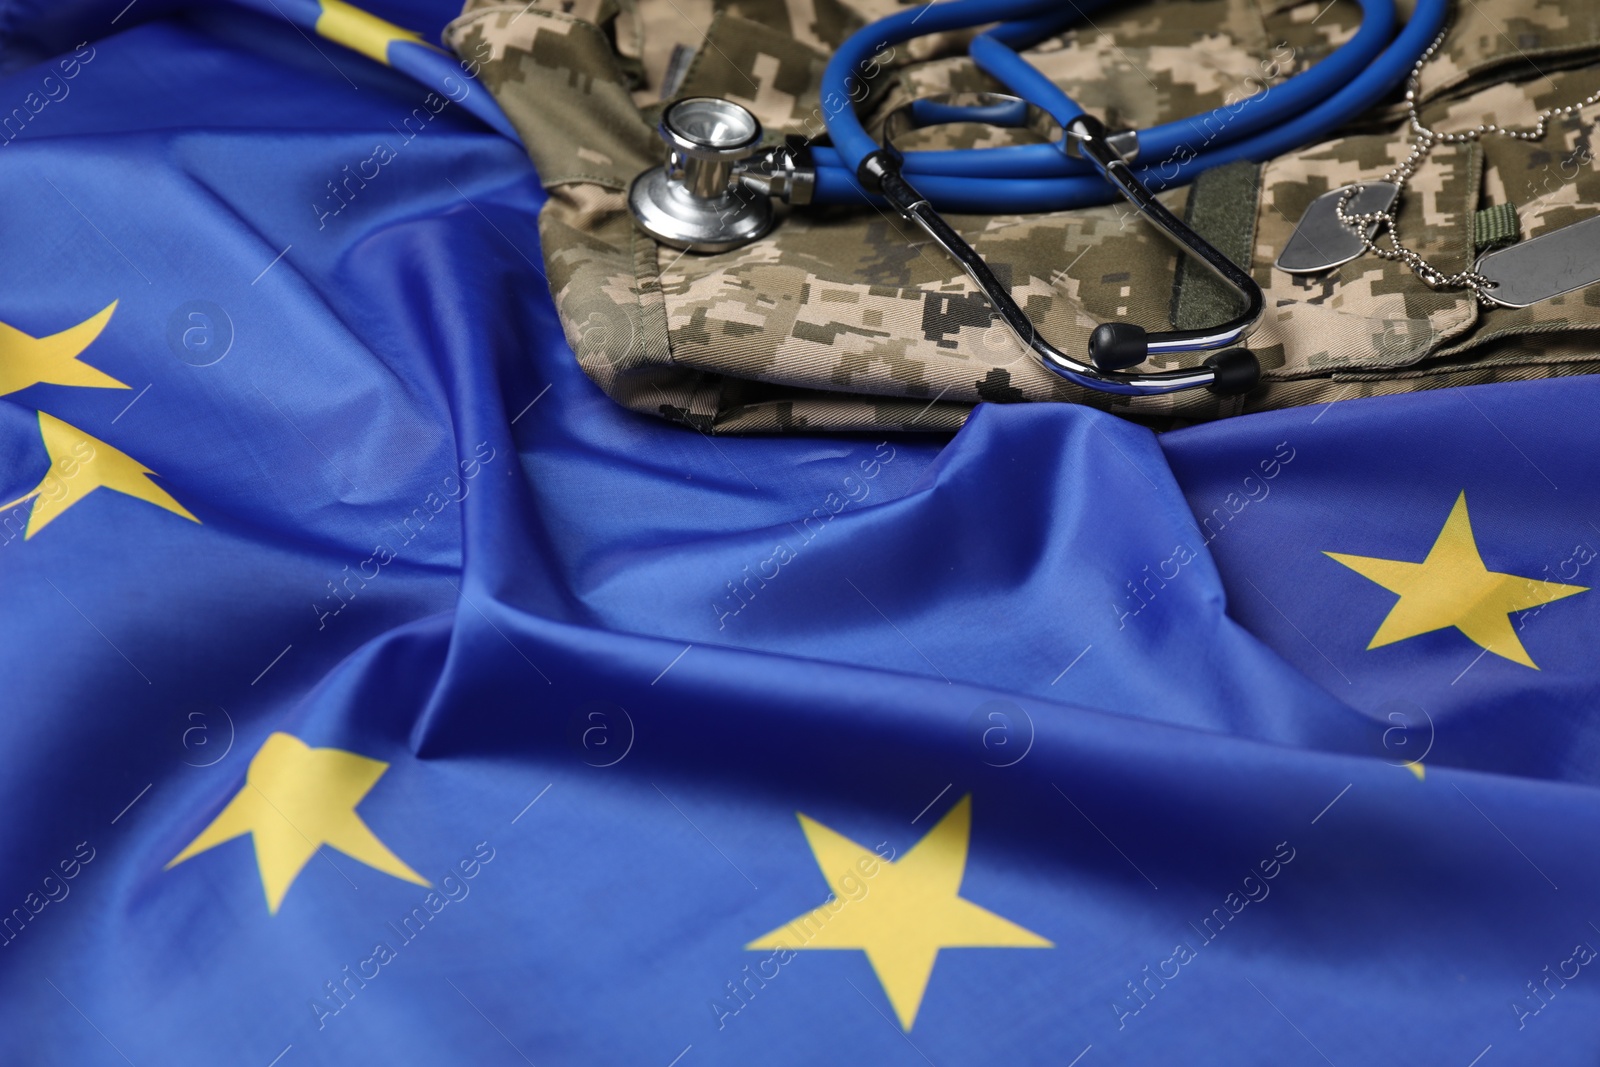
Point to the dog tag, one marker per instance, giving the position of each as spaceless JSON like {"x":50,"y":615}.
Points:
{"x":1321,"y":242}
{"x":1548,"y":265}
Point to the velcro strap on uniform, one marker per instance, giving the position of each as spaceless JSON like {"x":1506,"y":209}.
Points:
{"x":1495,"y":226}
{"x":1222,"y":209}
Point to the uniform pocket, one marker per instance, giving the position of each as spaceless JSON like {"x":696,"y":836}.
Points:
{"x":1491,"y":39}
{"x":1370,"y":313}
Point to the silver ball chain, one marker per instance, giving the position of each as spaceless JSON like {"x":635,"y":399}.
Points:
{"x":1426,"y":140}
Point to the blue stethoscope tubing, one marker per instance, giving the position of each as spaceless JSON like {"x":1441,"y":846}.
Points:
{"x":1035,"y":178}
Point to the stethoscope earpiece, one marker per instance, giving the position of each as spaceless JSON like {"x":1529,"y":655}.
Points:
{"x":1118,"y":345}
{"x":1236,"y":372}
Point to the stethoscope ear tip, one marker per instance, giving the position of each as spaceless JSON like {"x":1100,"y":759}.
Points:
{"x":1118,"y":345}
{"x":1237,"y":371}
{"x":1115,"y":346}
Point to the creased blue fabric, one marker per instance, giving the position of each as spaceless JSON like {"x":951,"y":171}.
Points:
{"x":608,"y":660}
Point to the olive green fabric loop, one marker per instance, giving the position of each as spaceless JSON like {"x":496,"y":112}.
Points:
{"x":1495,"y":225}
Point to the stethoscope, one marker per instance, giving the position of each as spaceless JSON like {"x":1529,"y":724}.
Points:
{"x":715,"y":191}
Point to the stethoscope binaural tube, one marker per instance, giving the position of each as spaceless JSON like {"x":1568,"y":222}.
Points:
{"x":1032,"y":178}
{"x":996,"y":53}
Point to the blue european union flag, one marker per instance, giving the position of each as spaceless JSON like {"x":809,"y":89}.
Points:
{"x":377,"y":691}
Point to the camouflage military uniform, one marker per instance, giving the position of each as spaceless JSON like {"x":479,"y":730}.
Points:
{"x":849,"y":319}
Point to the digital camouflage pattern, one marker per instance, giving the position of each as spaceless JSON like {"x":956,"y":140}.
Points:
{"x":850,"y":319}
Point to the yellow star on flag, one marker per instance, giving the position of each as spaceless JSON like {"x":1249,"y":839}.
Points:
{"x":910,"y":909}
{"x":53,"y":360}
{"x":295,"y":800}
{"x":80,"y":464}
{"x":1453,"y":587}
{"x":361,"y":31}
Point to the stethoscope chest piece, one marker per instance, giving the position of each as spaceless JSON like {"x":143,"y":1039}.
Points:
{"x":693,"y":202}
